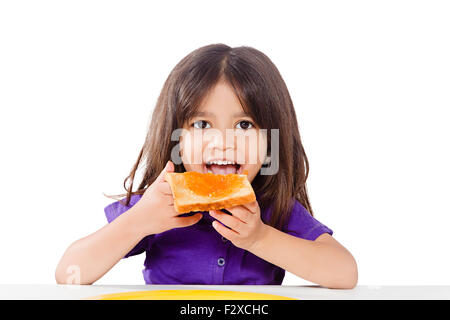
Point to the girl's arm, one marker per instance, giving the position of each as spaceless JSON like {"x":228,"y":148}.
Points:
{"x":323,"y":261}
{"x":97,"y":253}
{"x":91,"y":257}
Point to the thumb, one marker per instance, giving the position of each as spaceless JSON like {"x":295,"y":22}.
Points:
{"x":169,"y":167}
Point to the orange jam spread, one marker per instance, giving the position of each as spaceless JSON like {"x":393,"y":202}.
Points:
{"x":213,"y":185}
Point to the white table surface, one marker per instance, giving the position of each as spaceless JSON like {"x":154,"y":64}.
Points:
{"x":75,"y":292}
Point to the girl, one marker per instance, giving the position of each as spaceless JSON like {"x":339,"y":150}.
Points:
{"x":215,"y":89}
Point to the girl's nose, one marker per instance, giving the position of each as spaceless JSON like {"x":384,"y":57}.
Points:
{"x":221,"y":140}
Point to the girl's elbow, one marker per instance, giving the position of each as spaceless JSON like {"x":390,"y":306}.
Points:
{"x":68,"y":280}
{"x":350,"y":283}
{"x":350,"y":280}
{"x":60,"y":277}
{"x":347,"y":283}
{"x":71,"y":275}
{"x":353,"y":273}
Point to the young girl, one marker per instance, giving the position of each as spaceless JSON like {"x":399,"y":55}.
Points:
{"x":215,"y":89}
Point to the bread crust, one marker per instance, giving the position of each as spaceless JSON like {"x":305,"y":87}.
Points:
{"x":217,"y":205}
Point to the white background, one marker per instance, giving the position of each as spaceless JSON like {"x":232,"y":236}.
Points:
{"x":370,"y":81}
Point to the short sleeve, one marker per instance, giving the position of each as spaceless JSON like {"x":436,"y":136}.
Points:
{"x":115,"y":209}
{"x":303,"y":225}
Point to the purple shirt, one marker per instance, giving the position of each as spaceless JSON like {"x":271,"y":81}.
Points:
{"x":198,"y":254}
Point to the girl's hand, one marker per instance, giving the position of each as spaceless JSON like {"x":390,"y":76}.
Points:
{"x":155,"y":212}
{"x":245,"y":222}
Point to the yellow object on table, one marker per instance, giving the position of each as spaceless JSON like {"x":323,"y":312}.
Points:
{"x":189,"y":295}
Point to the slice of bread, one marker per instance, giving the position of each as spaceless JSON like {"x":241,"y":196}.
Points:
{"x":195,"y":191}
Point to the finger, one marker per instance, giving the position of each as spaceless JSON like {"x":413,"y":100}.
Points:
{"x":164,"y":188}
{"x":181,"y":222}
{"x":224,"y":231}
{"x":252,"y":207}
{"x":169,"y":167}
{"x":230,"y":221}
{"x":169,"y":201}
{"x":240,"y":212}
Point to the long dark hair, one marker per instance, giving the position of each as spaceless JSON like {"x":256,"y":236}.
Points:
{"x":263,"y":95}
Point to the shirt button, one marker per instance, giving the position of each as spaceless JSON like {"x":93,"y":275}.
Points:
{"x":224,"y":239}
{"x":221,"y":261}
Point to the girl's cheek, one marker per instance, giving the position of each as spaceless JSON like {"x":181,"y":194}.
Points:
{"x":262,"y":146}
{"x":191,"y":149}
{"x":255,"y":149}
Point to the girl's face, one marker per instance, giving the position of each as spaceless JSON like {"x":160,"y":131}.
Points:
{"x":221,"y":138}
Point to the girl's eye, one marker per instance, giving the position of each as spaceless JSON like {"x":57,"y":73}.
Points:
{"x":245,"y":125}
{"x":202,"y":124}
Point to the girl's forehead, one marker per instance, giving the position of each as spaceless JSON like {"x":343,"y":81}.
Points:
{"x":221,"y":98}
{"x":220,"y":102}
{"x":212,"y":114}
{"x":220,"y":109}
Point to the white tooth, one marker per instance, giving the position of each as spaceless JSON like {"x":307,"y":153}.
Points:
{"x":209,"y":171}
{"x":219,"y":162}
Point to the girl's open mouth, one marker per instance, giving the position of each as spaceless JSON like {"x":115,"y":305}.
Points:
{"x":222,"y":167}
